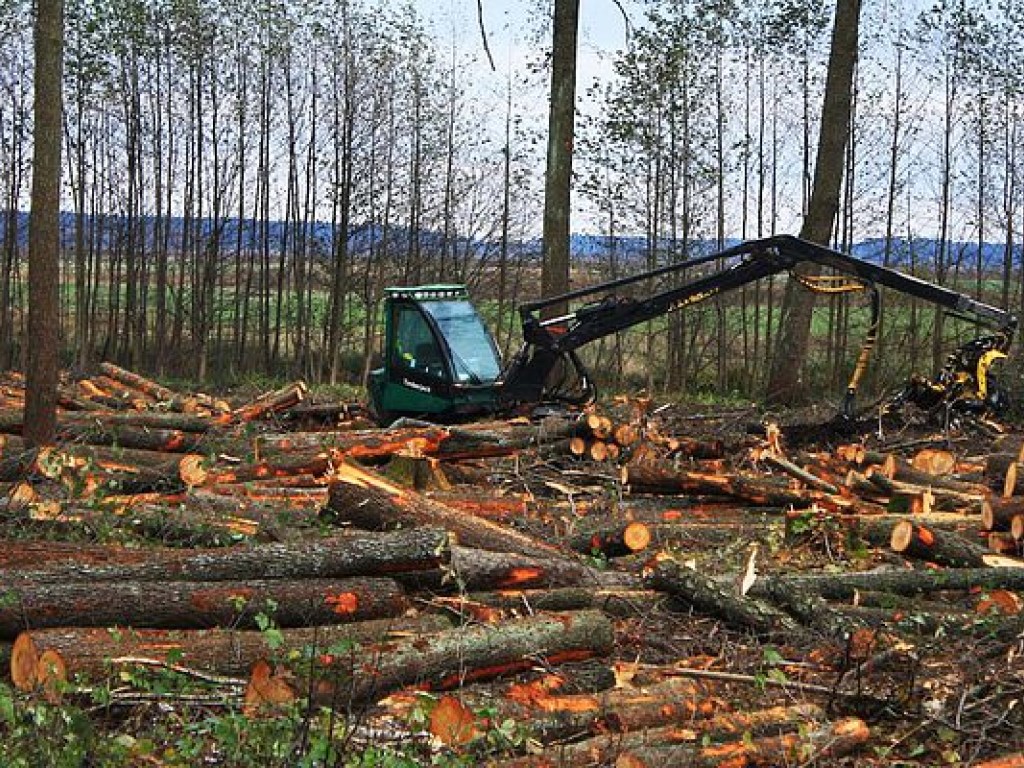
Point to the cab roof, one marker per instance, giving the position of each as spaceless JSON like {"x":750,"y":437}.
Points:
{"x":440,"y":292}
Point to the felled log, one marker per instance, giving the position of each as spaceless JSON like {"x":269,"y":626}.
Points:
{"x":619,"y":602}
{"x":903,"y":471}
{"x":189,"y":604}
{"x":272,"y":402}
{"x":424,"y":549}
{"x":555,"y":716}
{"x":141,"y":383}
{"x":831,"y":740}
{"x":707,"y":597}
{"x":1013,"y":760}
{"x":995,"y":469}
{"x":956,"y":499}
{"x":1004,"y":543}
{"x":421,"y":473}
{"x":94,"y":654}
{"x":503,"y":507}
{"x":481,"y":569}
{"x":799,"y":473}
{"x":224,"y":472}
{"x":451,"y":658}
{"x":997,"y":514}
{"x":613,"y":540}
{"x":366,"y":500}
{"x":603,"y":750}
{"x":88,"y":468}
{"x":921,"y":542}
{"x":752,"y":490}
{"x":126,"y":435}
{"x":844,"y":586}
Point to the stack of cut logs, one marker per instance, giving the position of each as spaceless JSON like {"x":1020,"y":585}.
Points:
{"x":379,"y":550}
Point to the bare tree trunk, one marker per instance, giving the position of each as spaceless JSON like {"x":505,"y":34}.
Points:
{"x":786,"y":382}
{"x":558,"y":181}
{"x":44,"y":228}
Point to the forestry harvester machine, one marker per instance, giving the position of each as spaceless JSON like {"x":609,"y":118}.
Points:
{"x":440,"y":361}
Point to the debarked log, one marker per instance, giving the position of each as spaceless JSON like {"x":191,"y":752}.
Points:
{"x":410,"y":551}
{"x":92,"y":654}
{"x":189,"y":604}
{"x":449,"y":659}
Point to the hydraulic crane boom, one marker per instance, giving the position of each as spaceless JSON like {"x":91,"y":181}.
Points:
{"x":548,"y":357}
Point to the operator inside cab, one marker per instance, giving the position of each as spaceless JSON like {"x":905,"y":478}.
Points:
{"x":416,"y":348}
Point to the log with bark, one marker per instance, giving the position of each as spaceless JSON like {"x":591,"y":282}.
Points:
{"x":556,"y":716}
{"x":94,"y":654}
{"x":366,"y":500}
{"x":612,"y":540}
{"x":705,"y":596}
{"x":688,"y":746}
{"x":619,"y":602}
{"x":410,"y":551}
{"x":191,"y":604}
{"x":846,"y":586}
{"x":997,"y":514}
{"x":922,"y":542}
{"x":723,"y":726}
{"x":751,"y":489}
{"x":483,"y":569}
{"x":452,"y":658}
{"x":272,"y":402}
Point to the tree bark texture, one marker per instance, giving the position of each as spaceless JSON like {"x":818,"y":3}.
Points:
{"x":43,"y":354}
{"x":189,"y":604}
{"x":378,"y":554}
{"x":785,"y":382}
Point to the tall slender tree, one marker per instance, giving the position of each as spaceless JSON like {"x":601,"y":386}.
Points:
{"x":43,"y":369}
{"x":785,"y":383}
{"x":561,"y":123}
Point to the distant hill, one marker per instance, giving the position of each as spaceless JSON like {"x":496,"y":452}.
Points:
{"x":630,"y":251}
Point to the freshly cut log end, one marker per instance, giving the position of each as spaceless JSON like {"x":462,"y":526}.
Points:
{"x":902,"y":536}
{"x":51,"y":675}
{"x":192,"y":471}
{"x":935,"y":461}
{"x":636,"y":536}
{"x":1000,"y":602}
{"x":1017,"y":527}
{"x":1010,"y":481}
{"x":24,"y":663}
{"x":945,"y":548}
{"x":1003,"y":543}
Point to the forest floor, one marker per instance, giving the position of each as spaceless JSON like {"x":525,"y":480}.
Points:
{"x":727,"y":585}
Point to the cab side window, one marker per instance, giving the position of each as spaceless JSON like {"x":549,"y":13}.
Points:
{"x":416,"y":349}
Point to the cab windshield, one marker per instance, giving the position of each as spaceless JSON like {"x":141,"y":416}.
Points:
{"x":474,"y":355}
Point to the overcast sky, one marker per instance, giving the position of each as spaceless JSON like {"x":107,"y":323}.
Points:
{"x":511,"y":24}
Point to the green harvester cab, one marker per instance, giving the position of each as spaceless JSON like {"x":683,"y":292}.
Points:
{"x":439,"y":358}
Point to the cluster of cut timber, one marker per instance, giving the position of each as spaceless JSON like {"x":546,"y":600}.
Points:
{"x":428,"y":558}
